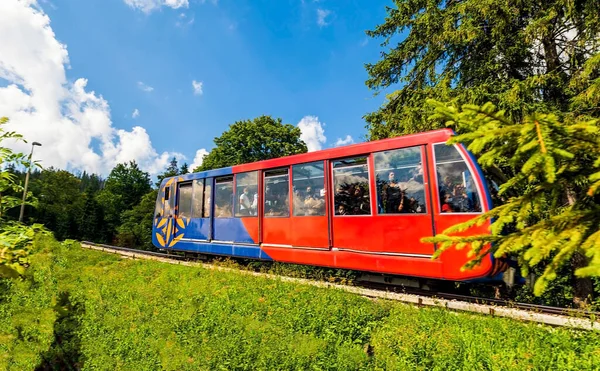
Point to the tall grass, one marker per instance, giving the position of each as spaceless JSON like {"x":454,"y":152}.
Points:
{"x":92,"y":310}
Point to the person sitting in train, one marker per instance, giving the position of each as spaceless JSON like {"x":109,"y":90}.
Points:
{"x":254,"y":205}
{"x":312,"y":204}
{"x":391,"y":194}
{"x":446,"y":203}
{"x":245,"y":202}
{"x":462,"y":202}
{"x":341,"y":210}
{"x":360,"y":205}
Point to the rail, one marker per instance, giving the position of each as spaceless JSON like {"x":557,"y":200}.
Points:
{"x":553,"y":316}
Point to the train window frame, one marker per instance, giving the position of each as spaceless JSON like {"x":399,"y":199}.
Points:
{"x":293,"y":195}
{"x":167,"y":207}
{"x":207,"y":198}
{"x":236,"y":203}
{"x":426,"y":189}
{"x":197,"y":182}
{"x":270,"y":174}
{"x":437,"y":181}
{"x":189,"y":184}
{"x":367,"y":159}
{"x":223,"y":180}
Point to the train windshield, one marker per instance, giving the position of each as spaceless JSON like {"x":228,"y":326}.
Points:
{"x":457,"y":187}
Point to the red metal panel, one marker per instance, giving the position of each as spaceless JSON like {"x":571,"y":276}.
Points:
{"x":418,"y":267}
{"x":276,"y":230}
{"x":309,"y":231}
{"x":354,"y":232}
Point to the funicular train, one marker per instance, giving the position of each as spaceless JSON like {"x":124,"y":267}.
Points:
{"x":362,"y":207}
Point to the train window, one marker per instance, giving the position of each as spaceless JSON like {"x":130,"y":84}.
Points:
{"x":246,"y":190}
{"x":351,"y":184}
{"x":224,"y":197}
{"x":457,"y":188}
{"x":277,"y":189}
{"x":158,"y":207}
{"x":198,"y":198}
{"x":399,"y":177}
{"x":184,"y":203}
{"x":167,"y":203}
{"x":207,"y":198}
{"x":309,"y":189}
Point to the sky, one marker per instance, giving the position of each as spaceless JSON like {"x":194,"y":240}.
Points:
{"x":101,"y":82}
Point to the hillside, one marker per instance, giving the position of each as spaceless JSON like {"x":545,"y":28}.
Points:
{"x":96,"y":311}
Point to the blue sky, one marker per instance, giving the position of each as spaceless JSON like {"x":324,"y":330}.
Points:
{"x":285,"y":58}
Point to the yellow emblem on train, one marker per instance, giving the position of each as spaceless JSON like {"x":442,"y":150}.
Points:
{"x":171,"y":228}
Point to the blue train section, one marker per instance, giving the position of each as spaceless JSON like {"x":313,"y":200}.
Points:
{"x":221,"y":236}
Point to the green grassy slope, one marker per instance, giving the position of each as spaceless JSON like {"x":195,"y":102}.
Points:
{"x":96,"y":311}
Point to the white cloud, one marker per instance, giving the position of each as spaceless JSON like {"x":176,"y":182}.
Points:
{"x":144,"y":87}
{"x":136,"y":113}
{"x":184,"y":20}
{"x":148,"y":6}
{"x":313,"y":133}
{"x":73,"y":124}
{"x":198,"y":159}
{"x":322,"y":14}
{"x":197,"y":85}
{"x":343,"y":142}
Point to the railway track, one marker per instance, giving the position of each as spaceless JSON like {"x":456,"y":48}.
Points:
{"x":543,"y":314}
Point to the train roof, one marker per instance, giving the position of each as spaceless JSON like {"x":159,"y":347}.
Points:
{"x":433,"y":136}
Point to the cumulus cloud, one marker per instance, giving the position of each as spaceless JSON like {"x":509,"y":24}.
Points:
{"x":322,"y":14}
{"x":148,"y":6}
{"x":343,"y":142}
{"x":198,"y":159}
{"x":313,"y":133}
{"x":197,"y":85}
{"x":136,"y":113}
{"x":73,"y":124}
{"x":144,"y":87}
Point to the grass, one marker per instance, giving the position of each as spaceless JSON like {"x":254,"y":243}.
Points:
{"x":86,"y":309}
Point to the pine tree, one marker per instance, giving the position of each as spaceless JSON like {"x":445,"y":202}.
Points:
{"x":184,"y":169}
{"x":171,"y":170}
{"x":551,"y":208}
{"x":525,"y":57}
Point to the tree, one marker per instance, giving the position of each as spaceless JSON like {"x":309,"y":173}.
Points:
{"x":184,"y":169}
{"x":124,"y":188}
{"x":92,"y":225}
{"x":60,"y":202}
{"x":171,"y":170}
{"x":15,"y":238}
{"x":551,"y":209}
{"x":253,"y":140}
{"x":525,"y":57}
{"x":128,"y":183}
{"x":90,"y":183}
{"x":136,"y":228}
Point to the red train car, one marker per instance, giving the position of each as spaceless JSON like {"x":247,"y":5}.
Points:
{"x":363,"y":207}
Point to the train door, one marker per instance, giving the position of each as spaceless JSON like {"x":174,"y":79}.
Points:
{"x":276,"y":224}
{"x":458,"y":196}
{"x":246,"y":207}
{"x":352,"y":225}
{"x":404,"y":212}
{"x":309,"y":206}
{"x":223,"y":220}
{"x":183,"y":210}
{"x":199,"y":225}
